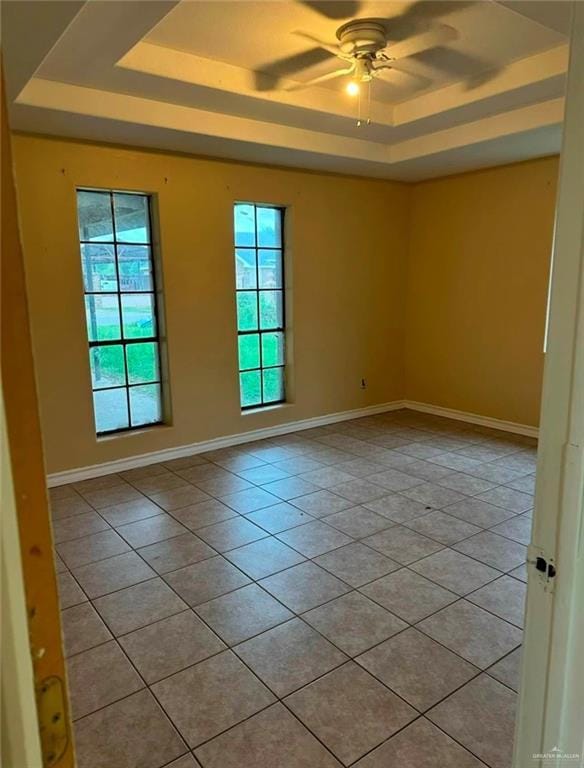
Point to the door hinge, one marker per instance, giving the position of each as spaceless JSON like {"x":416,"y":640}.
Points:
{"x":542,"y":564}
{"x":54,"y":727}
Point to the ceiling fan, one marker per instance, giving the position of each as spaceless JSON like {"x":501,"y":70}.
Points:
{"x":379,"y":48}
{"x":363,"y":46}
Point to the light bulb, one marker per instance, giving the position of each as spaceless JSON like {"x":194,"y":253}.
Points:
{"x":352,"y":88}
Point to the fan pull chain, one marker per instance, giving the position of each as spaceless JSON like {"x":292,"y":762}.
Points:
{"x":368,"y":118}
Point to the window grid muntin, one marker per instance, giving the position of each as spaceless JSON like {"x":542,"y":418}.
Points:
{"x":122,"y":341}
{"x":259,"y":331}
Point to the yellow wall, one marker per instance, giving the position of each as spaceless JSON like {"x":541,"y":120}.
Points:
{"x":479,"y":256}
{"x":348,"y":244}
{"x":434,"y":292}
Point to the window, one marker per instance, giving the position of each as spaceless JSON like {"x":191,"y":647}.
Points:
{"x":120,"y":308}
{"x":259,"y":269}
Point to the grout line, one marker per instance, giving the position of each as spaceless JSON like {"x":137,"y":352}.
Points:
{"x":295,"y":614}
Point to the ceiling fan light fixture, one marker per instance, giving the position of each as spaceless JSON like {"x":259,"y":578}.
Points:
{"x":352,"y":88}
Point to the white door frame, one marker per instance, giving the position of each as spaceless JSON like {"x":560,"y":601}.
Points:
{"x":550,"y":721}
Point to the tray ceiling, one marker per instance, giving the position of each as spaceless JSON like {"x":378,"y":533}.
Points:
{"x":212,"y":77}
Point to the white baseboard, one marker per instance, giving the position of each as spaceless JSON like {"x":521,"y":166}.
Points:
{"x":120,"y":465}
{"x":472,"y":418}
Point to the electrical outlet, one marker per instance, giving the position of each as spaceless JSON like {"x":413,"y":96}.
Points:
{"x":363,"y":383}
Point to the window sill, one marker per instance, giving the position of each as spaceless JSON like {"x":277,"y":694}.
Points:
{"x":266,"y":409}
{"x":131,"y":432}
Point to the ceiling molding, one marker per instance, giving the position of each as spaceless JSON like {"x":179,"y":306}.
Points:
{"x":98,"y":69}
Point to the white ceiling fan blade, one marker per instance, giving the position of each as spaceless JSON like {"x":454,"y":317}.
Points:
{"x":437,"y":35}
{"x":401,"y":78}
{"x":321,"y":79}
{"x":330,"y":47}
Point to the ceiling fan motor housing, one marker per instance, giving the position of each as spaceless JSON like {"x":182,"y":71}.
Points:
{"x":362,"y":37}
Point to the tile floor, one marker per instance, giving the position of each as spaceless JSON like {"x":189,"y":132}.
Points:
{"x":350,"y":595}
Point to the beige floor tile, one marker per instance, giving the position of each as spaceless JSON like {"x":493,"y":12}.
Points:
{"x":360,"y":491}
{"x":242,"y":614}
{"x":504,"y":597}
{"x":326,"y":477}
{"x":138,"y":605}
{"x":70,"y":593}
{"x":206,"y":580}
{"x":290,"y":488}
{"x":114,"y":573}
{"x":68,"y":506}
{"x":187,"y":761}
{"x":350,"y":711}
{"x":184,"y":462}
{"x":151,"y":530}
{"x":508,"y":670}
{"x":442,"y":527}
{"x":314,"y":539}
{"x":203,"y":513}
{"x":98,"y":677}
{"x":105,"y":497}
{"x":267,"y":473}
{"x":264,"y":557}
{"x":141,"y":473}
{"x":167,"y":481}
{"x":520,"y":573}
{"x":526,"y":484}
{"x":358,"y":522}
{"x":130,"y":511}
{"x":397,"y":508}
{"x":231,"y":533}
{"x":175,"y":553}
{"x":322,"y":503}
{"x":420,"y":745}
{"x":167,"y":646}
{"x":478,"y":512}
{"x":228,"y":483}
{"x":433,"y":495}
{"x":297,"y":465}
{"x":304,"y":586}
{"x":454,"y":571}
{"x":394,"y":480}
{"x":402,"y":544}
{"x":82,"y":629}
{"x":356,"y":564}
{"x":494,"y":550}
{"x":474,"y":634}
{"x":250,"y":500}
{"x":354,"y":623}
{"x":416,"y":668}
{"x":507,"y":498}
{"x":279,"y":518}
{"x":408,"y":595}
{"x":99,"y":483}
{"x":139,"y":735}
{"x":80,"y":525}
{"x":517,"y":529}
{"x":92,"y":548}
{"x":361,"y":467}
{"x":426,"y":470}
{"x":289,"y":656}
{"x":481,"y":717}
{"x":204,"y":700}
{"x":271,"y":739}
{"x":62,"y":492}
{"x":179,"y":497}
{"x":466,"y":484}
